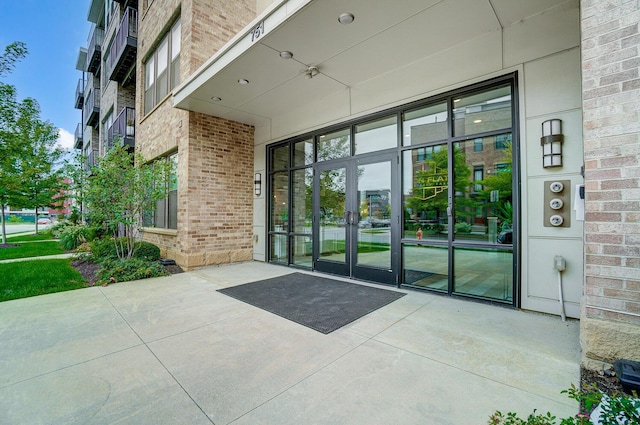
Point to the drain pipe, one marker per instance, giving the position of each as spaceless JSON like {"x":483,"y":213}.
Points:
{"x":560,"y":265}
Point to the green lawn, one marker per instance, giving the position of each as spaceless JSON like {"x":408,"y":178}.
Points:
{"x":31,"y":249}
{"x":27,"y":238}
{"x":30,"y":278}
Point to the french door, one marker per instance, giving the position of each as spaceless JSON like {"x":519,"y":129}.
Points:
{"x":355,"y":221}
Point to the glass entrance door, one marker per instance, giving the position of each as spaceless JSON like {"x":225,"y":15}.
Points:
{"x":355,"y":221}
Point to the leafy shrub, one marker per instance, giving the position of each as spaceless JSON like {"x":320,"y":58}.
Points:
{"x":614,"y":410}
{"x":59,"y":227}
{"x":15,"y":219}
{"x":463,"y":227}
{"x":73,"y":235}
{"x":147,"y":250}
{"x":116,"y":270}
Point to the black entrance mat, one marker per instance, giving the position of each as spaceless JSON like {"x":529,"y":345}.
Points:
{"x":317,"y":302}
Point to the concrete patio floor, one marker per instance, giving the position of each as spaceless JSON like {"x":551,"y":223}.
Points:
{"x":172,"y":350}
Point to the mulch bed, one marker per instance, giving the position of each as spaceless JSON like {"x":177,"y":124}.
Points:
{"x":606,"y":381}
{"x":89,"y":270}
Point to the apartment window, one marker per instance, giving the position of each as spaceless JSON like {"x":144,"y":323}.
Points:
{"x":502,"y":140}
{"x":109,"y":11}
{"x":162,"y":69}
{"x":477,"y":145}
{"x":165,"y":213}
{"x":106,"y":125}
{"x":478,"y":175}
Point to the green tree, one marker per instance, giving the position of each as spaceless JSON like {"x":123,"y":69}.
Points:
{"x":121,"y":188}
{"x":9,"y":145}
{"x":75,"y":171}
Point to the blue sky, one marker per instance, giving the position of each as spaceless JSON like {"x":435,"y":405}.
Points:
{"x":54,"y":31}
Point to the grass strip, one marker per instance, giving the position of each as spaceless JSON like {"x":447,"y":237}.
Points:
{"x":27,"y":238}
{"x":30,"y":278}
{"x":31,"y":249}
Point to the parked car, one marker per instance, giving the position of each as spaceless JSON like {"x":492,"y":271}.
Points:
{"x":44,"y":220}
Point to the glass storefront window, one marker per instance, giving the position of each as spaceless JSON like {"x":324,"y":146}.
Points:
{"x":425,"y":125}
{"x":483,"y":191}
{"x":486,"y":273}
{"x":301,"y":201}
{"x":280,"y":202}
{"x":280,"y":158}
{"x":424,"y":192}
{"x":302,"y":251}
{"x":279,"y":249}
{"x":426,"y":266}
{"x":334,"y":145}
{"x":482,"y":112}
{"x":377,"y":135}
{"x":303,"y":153}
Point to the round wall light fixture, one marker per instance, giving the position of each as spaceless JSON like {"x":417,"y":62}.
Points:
{"x":346,"y":18}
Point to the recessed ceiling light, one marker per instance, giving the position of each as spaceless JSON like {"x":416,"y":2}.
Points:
{"x":346,"y":18}
{"x":243,"y":81}
{"x":286,"y":55}
{"x":216,"y":99}
{"x":477,"y":121}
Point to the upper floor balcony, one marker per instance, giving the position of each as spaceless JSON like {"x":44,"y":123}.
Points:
{"x":77,"y":139}
{"x":79,"y":94}
{"x":128,"y":3}
{"x":92,"y":160}
{"x":94,"y":52}
{"x":92,"y":107}
{"x":120,"y":61}
{"x":123,"y":130}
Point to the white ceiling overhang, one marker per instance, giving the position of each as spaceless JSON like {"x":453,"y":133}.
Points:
{"x":385,"y":36}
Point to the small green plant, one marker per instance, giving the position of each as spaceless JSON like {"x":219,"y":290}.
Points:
{"x":117,"y":270}
{"x":615,"y":410}
{"x":74,"y":235}
{"x":463,"y":227}
{"x":147,"y":251}
{"x":15,"y":219}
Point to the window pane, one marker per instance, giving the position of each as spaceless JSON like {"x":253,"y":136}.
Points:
{"x":162,"y":86}
{"x":163,"y":56}
{"x":377,"y":135}
{"x":486,"y":273}
{"x":303,"y":153}
{"x":175,"y":40}
{"x":280,"y":157}
{"x":483,"y":190}
{"x":301,"y":208}
{"x":425,"y":125}
{"x":279,"y":249}
{"x":175,"y":72}
{"x":481,"y":112}
{"x":334,"y":145}
{"x":426,"y":266}
{"x":149,"y":72}
{"x":302,"y":251}
{"x":161,"y":219}
{"x":173,"y":209}
{"x":424,"y":192}
{"x":280,"y":202}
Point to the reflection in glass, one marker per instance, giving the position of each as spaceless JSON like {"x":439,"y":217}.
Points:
{"x":424,"y":192}
{"x":483,"y":190}
{"x":301,"y":200}
{"x":280,"y":203}
{"x":334,"y":145}
{"x":332,"y":238}
{"x":482,"y":112}
{"x":303,"y":153}
{"x":426,"y":266}
{"x":374,"y":211}
{"x":280,"y":157}
{"x":425,"y":125}
{"x":377,"y":135}
{"x":486,"y":273}
{"x":302,"y":251}
{"x":278,"y":249}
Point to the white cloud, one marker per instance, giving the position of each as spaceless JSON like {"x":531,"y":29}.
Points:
{"x":65,"y":139}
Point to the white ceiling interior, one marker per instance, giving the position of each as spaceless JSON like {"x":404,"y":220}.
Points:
{"x":384,"y":36}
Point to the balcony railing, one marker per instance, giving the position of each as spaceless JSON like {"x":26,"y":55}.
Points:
{"x":77,"y":144}
{"x":80,"y":94}
{"x":121,"y":57}
{"x":92,"y":160}
{"x":94,"y":52}
{"x":128,"y":3}
{"x":123,"y":129}
{"x":92,"y":107}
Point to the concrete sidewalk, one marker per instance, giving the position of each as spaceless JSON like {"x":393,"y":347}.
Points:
{"x":172,"y":350}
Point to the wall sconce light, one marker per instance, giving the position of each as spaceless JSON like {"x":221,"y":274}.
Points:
{"x":551,"y":142}
{"x":257,"y":184}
